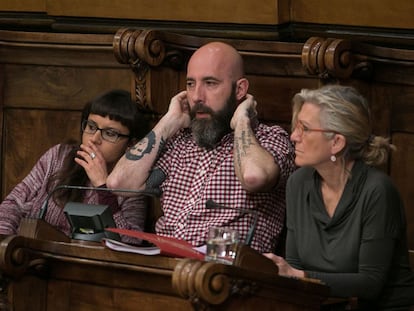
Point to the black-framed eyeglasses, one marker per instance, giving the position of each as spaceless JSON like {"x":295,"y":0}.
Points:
{"x":107,"y":134}
{"x":301,"y":128}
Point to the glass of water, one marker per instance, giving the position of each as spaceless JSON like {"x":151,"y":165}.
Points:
{"x":222,"y":243}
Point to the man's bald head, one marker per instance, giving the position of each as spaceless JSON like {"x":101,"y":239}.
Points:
{"x":219,"y":55}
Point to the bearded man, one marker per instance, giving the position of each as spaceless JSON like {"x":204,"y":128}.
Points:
{"x":211,"y":146}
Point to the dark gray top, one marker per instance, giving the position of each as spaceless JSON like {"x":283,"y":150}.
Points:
{"x":362,"y":250}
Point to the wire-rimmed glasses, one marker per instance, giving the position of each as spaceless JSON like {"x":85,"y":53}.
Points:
{"x":300,"y":128}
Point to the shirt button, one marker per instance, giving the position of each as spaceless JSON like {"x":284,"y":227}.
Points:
{"x":180,"y":226}
{"x":202,"y":172}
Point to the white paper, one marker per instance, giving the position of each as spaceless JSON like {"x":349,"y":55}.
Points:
{"x":123,"y":247}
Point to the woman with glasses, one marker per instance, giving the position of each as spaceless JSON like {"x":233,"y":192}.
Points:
{"x":345,"y":218}
{"x":110,"y":124}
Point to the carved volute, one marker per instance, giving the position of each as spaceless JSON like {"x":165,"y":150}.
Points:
{"x":328,"y":58}
{"x":208,"y":283}
{"x":141,"y":50}
{"x":203,"y":283}
{"x":145,"y":45}
{"x":13,"y":258}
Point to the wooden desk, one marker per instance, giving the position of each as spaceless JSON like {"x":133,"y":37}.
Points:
{"x":50,"y":275}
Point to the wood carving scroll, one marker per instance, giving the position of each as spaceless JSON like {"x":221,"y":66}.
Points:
{"x":124,"y":45}
{"x":14,"y":260}
{"x":328,"y":58}
{"x":131,"y":45}
{"x":142,"y":49}
{"x":207,"y":283}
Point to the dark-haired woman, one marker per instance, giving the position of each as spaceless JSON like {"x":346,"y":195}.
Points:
{"x":110,"y":124}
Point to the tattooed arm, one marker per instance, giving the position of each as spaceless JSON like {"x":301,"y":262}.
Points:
{"x":255,"y":167}
{"x":133,"y":170}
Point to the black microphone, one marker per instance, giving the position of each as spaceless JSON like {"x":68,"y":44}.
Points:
{"x":210,"y":204}
{"x":43,"y":209}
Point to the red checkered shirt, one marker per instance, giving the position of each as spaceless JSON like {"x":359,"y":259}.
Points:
{"x":195,"y":175}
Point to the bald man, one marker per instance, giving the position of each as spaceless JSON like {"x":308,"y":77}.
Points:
{"x":210,"y":146}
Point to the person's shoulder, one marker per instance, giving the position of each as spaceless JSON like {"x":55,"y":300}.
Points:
{"x":61,"y":148}
{"x":374,"y":182}
{"x":53,"y":150}
{"x":58,"y":151}
{"x":271,"y":128}
{"x":376,"y":178}
{"x":380,"y":188}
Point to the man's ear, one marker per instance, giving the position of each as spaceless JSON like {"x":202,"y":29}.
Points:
{"x":242,"y":85}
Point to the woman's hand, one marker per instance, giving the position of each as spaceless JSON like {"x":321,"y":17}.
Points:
{"x":284,"y":268}
{"x":92,"y":160}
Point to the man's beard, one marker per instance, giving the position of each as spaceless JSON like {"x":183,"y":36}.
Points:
{"x":208,"y":132}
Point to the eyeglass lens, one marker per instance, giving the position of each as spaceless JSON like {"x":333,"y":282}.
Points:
{"x":107,"y":134}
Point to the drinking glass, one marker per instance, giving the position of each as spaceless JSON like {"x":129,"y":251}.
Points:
{"x":222,"y":243}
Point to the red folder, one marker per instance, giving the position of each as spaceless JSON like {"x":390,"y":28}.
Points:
{"x":169,"y":246}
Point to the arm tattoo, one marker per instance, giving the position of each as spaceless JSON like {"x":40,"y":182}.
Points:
{"x":144,"y":146}
{"x":241,"y":145}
